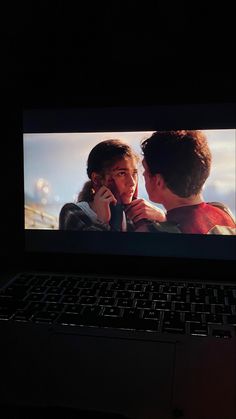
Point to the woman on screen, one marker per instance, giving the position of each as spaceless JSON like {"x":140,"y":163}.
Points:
{"x":112,"y":169}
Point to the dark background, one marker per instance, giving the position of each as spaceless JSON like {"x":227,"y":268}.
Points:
{"x":117,"y":52}
{"x":104,"y":53}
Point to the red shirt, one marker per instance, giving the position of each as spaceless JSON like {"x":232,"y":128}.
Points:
{"x":200,"y":218}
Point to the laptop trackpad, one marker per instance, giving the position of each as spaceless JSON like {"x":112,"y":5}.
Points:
{"x":132,"y":377}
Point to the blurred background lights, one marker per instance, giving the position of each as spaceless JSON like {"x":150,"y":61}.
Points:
{"x":42,"y":191}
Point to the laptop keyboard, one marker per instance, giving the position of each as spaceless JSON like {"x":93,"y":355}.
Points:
{"x":157,"y":306}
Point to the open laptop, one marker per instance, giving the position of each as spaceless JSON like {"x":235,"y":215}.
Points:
{"x":140,"y":325}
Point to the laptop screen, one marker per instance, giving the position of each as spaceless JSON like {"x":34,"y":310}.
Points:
{"x":95,"y":183}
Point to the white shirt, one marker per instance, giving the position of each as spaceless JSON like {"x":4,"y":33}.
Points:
{"x":93,"y":216}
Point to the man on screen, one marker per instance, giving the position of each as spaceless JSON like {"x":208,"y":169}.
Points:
{"x":176,"y":167}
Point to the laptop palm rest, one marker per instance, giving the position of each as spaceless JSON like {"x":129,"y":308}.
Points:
{"x":131,"y":377}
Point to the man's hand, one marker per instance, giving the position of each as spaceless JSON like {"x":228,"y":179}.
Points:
{"x":140,"y":209}
{"x":101,"y":204}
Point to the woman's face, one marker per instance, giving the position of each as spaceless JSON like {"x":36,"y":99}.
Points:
{"x":122,"y":179}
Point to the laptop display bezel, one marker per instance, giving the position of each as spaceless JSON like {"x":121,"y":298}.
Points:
{"x":127,"y":118}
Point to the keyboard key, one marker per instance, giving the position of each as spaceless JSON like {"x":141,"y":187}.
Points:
{"x":57,"y":307}
{"x":198,"y":329}
{"x":142,"y":295}
{"x":89,"y":292}
{"x":24,"y":277}
{"x":118,"y":286}
{"x":34,"y":297}
{"x":159,"y":296}
{"x":92,"y":311}
{"x":87,"y":300}
{"x":162,"y":305}
{"x":214,"y":318}
{"x":37,"y":306}
{"x":18,"y":291}
{"x":193,"y":317}
{"x":70,"y":319}
{"x":39,"y":289}
{"x":6,"y":313}
{"x":54,"y":281}
{"x":172,"y":323}
{"x":123,"y":294}
{"x":203,"y":308}
{"x":232,"y":300}
{"x":70,"y":291}
{"x":231,"y":320}
{"x":23,"y":280}
{"x":47,"y":317}
{"x":135,"y":287}
{"x":106,"y":302}
{"x":169,"y":289}
{"x":220,"y":309}
{"x":197,"y":300}
{"x":24,"y":315}
{"x":177,"y":328}
{"x":53,"y":290}
{"x":70,"y":299}
{"x":86,"y":284}
{"x":12,"y":303}
{"x":216,"y":300}
{"x":112,"y":311}
{"x":53,"y":298}
{"x":122,"y":302}
{"x":143,"y":304}
{"x":73,"y":308}
{"x":172,"y":316}
{"x":151,"y":314}
{"x":153,"y":288}
{"x":178,"y":298}
{"x":132,"y":313}
{"x":106,"y":293}
{"x":183,"y":307}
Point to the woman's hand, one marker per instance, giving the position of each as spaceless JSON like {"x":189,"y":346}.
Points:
{"x":140,"y":209}
{"x":101,"y":204}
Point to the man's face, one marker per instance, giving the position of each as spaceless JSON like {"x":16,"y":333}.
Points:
{"x":149,"y":182}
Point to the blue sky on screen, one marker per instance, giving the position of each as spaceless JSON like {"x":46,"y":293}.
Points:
{"x":59,"y":160}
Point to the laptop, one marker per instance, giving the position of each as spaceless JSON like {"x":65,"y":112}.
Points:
{"x":116,"y":324}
